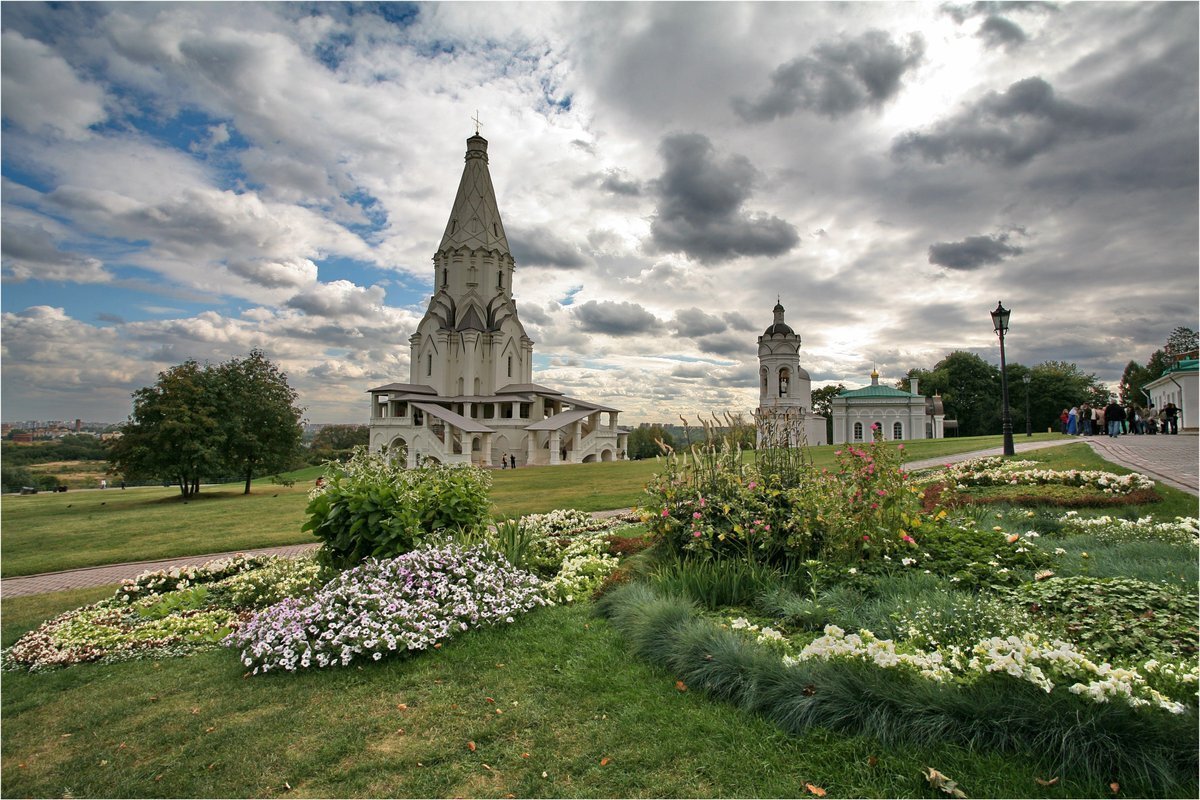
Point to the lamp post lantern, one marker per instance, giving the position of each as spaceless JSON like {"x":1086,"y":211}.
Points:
{"x":1028,"y":422}
{"x":1000,"y":322}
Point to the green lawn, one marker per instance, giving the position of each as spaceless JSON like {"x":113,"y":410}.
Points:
{"x":576,"y":706}
{"x":50,"y":532}
{"x":580,"y":719}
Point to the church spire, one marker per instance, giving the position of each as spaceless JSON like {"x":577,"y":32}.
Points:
{"x":475,"y":218}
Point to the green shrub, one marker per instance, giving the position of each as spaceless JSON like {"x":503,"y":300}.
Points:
{"x":1116,"y":618}
{"x":782,"y":510}
{"x":372,"y":506}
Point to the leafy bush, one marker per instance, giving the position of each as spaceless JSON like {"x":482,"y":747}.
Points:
{"x":407,"y":603}
{"x":718,"y":506}
{"x":1116,"y":618}
{"x":372,"y":507}
{"x":972,"y":556}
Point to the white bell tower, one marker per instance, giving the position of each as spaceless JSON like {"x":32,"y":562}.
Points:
{"x":784,"y":387}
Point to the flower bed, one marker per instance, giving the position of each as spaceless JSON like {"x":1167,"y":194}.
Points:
{"x":168,"y":580}
{"x":1183,"y":530}
{"x":408,"y":603}
{"x":1045,"y":663}
{"x":995,"y":471}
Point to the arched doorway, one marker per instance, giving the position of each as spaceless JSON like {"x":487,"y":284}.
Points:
{"x":397,"y":450}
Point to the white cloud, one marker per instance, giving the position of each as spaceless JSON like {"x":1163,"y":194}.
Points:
{"x":43,"y":93}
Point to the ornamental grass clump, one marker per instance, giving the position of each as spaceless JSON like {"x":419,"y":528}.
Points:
{"x":408,"y":603}
{"x":371,"y":506}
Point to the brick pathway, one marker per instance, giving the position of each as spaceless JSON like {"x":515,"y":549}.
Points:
{"x":1174,"y":460}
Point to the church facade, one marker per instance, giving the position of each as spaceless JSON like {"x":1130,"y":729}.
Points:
{"x":897,"y":414}
{"x":784,"y":417}
{"x":470,"y":397}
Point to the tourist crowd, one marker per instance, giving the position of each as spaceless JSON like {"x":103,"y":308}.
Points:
{"x":1115,"y":419}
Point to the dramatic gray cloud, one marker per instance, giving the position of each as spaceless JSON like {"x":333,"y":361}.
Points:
{"x":700,"y":199}
{"x":615,"y":319}
{"x":617,"y":183}
{"x":1011,"y":128}
{"x":839,"y":78}
{"x":694,"y":322}
{"x":189,"y":180}
{"x":1001,"y":32}
{"x":542,"y":247}
{"x":973,"y":252}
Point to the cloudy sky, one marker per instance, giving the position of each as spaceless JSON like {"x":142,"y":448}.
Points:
{"x":195,"y":180}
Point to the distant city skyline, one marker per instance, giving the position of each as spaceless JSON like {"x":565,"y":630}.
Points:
{"x":191,"y":181}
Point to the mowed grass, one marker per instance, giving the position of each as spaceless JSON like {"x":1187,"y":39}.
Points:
{"x":553,"y":704}
{"x":49,"y":532}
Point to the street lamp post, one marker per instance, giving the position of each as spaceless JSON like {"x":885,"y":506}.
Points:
{"x":1028,"y":422}
{"x":1000,"y":321}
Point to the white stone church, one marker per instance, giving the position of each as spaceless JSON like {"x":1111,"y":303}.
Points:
{"x":470,"y":398}
{"x":785,"y":417}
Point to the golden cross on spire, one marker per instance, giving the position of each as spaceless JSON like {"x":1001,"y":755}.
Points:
{"x":478,"y":124}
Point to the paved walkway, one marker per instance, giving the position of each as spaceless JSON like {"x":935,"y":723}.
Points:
{"x":1174,"y":460}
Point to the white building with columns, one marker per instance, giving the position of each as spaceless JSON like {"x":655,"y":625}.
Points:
{"x":784,"y":415}
{"x":899,"y":414}
{"x":470,"y":397}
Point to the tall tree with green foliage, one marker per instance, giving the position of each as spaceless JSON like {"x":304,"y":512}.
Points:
{"x":262,"y":430}
{"x":642,"y":441}
{"x":970,"y":390}
{"x":1182,"y":343}
{"x":175,"y":431}
{"x":341,"y":437}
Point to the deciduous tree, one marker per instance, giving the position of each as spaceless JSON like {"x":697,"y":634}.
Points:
{"x":261,"y":422}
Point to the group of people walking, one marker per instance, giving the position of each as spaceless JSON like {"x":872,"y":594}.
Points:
{"x":1115,"y":419}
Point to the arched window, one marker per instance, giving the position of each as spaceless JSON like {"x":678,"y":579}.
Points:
{"x":429,"y":364}
{"x":784,"y":379}
{"x":858,"y":431}
{"x":445,"y":277}
{"x":897,"y":430}
{"x":510,"y":366}
{"x":763,"y":372}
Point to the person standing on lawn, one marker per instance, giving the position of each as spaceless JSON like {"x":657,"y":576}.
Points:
{"x":1114,"y":415}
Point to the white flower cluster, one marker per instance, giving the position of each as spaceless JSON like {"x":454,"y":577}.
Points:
{"x":983,"y":472}
{"x":865,"y":646}
{"x":411,"y":602}
{"x":168,"y":580}
{"x":565,"y":522}
{"x":1043,"y":662}
{"x":1183,"y":530}
{"x":584,"y":567}
{"x":763,"y":634}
